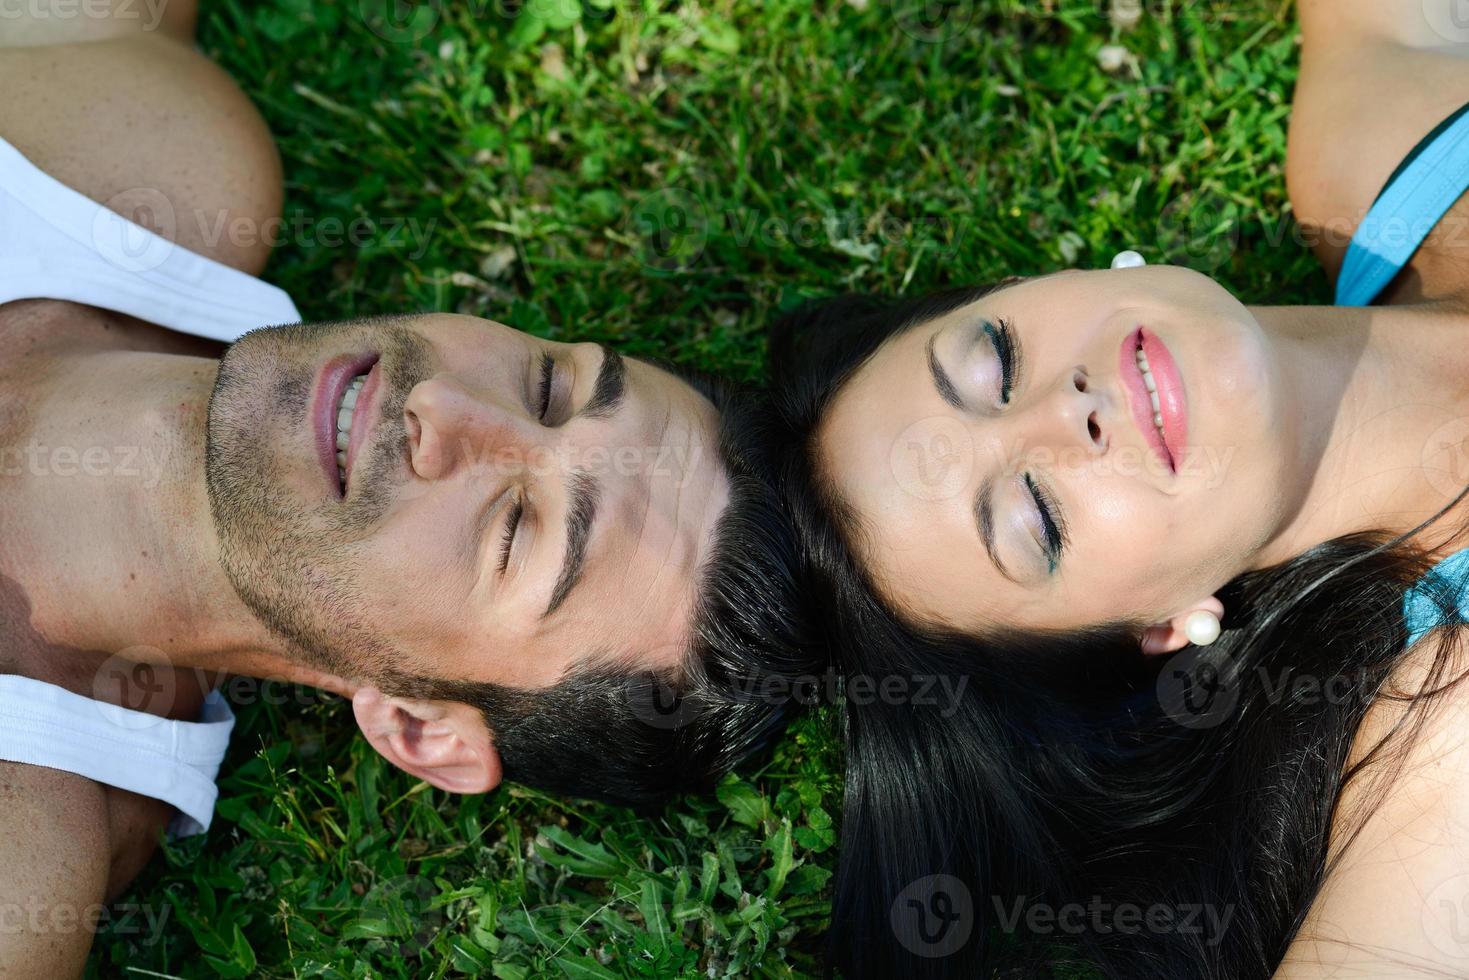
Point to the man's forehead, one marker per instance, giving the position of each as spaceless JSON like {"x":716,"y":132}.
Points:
{"x":663,"y":497}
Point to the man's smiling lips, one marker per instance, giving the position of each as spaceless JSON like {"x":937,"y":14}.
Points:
{"x":364,"y":414}
{"x":331,"y":386}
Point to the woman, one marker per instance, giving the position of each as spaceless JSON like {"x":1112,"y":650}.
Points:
{"x":1179,"y":548}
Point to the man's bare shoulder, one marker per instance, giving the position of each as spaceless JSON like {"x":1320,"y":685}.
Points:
{"x":154,"y":130}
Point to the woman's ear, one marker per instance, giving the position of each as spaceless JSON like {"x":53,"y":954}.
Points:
{"x":1169,"y":635}
{"x":444,"y":743}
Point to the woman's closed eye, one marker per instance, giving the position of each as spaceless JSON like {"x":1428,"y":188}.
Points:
{"x":1052,"y":531}
{"x":1006,"y":348}
{"x":984,"y":366}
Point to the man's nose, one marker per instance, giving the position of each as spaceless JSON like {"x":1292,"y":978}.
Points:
{"x":452,"y":425}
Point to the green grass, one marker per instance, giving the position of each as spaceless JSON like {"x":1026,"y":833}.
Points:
{"x":665,"y":179}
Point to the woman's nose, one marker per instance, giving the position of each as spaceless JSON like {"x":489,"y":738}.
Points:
{"x":1073,"y":417}
{"x":451,"y":425}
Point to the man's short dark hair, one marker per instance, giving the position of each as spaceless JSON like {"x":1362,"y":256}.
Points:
{"x":636,"y":736}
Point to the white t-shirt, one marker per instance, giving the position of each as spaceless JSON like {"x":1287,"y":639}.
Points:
{"x":56,"y":243}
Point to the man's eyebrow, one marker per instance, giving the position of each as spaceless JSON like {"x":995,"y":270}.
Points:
{"x":984,"y":516}
{"x":582,"y":495}
{"x":941,"y":380}
{"x":610,"y":387}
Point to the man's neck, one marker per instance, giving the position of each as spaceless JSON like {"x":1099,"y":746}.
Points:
{"x":1372,"y":393}
{"x":105,"y":515}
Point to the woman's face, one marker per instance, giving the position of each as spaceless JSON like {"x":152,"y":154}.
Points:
{"x":1004,"y":465}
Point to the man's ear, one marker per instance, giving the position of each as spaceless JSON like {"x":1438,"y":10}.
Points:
{"x":444,"y":743}
{"x":1168,"y":636}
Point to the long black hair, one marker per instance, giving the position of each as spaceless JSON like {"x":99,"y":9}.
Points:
{"x":1074,"y":807}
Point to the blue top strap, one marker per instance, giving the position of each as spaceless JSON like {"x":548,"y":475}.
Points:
{"x":1440,"y":597}
{"x":1431,"y":178}
{"x":1415,"y":199}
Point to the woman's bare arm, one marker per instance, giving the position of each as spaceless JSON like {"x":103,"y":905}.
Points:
{"x":1397,"y":903}
{"x":1376,"y":77}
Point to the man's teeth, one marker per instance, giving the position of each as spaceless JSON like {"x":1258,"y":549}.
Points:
{"x":344,"y":424}
{"x":1152,"y":386}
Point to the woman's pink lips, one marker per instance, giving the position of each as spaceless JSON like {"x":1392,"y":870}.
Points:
{"x":330,"y":386}
{"x":1170,"y":395}
{"x":364,"y":413}
{"x":1172,"y":402}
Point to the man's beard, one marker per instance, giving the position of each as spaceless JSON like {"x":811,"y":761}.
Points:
{"x":296,"y":562}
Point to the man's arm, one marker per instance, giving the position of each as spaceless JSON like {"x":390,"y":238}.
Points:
{"x":34,"y":24}
{"x":147,"y":125}
{"x":111,"y":106}
{"x":55,"y":855}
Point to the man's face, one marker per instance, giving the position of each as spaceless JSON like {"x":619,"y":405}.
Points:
{"x":509,"y":505}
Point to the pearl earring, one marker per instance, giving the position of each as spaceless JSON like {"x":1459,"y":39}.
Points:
{"x":1201,"y":627}
{"x":1128,"y":260}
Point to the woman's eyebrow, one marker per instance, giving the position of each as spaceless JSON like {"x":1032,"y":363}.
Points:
{"x":941,"y":380}
{"x":984,"y":517}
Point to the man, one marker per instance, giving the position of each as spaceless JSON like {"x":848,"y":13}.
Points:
{"x":516,"y":558}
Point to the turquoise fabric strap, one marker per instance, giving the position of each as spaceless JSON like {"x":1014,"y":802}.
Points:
{"x":1414,"y":201}
{"x":1439,"y":597}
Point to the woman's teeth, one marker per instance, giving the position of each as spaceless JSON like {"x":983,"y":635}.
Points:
{"x":344,"y":424}
{"x":1152,"y":386}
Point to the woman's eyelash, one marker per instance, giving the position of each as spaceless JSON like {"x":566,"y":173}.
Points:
{"x":548,"y":369}
{"x":1053,"y":524}
{"x":1008,"y":351}
{"x":512,"y":521}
